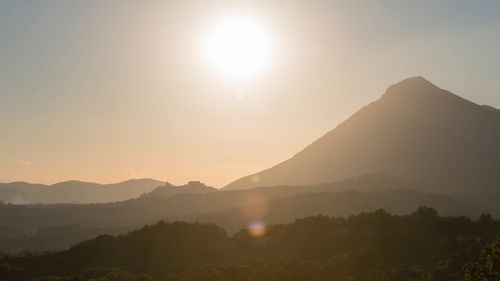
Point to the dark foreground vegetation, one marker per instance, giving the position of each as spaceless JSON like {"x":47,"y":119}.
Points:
{"x":370,"y":246}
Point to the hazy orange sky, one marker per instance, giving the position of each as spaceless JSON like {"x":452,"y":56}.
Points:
{"x":109,"y":90}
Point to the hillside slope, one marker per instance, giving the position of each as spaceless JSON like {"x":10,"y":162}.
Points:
{"x":416,"y":131}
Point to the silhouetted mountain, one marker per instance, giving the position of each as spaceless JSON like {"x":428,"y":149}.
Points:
{"x":74,"y":191}
{"x":415,"y":131}
{"x":168,"y":189}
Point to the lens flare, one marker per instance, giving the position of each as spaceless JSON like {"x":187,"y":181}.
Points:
{"x":257,"y":229}
{"x":255,"y":179}
{"x":254,"y":206}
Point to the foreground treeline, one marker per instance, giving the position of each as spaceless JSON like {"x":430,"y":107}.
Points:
{"x":370,"y":246}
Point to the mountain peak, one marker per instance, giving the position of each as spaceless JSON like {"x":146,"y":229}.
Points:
{"x":415,"y":130}
{"x":415,"y":80}
{"x":412,"y":86}
{"x":420,"y":95}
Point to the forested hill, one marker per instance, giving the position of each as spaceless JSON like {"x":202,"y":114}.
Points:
{"x":57,"y":227}
{"x":373,"y":246}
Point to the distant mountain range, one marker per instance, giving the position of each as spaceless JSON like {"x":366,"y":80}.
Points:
{"x":74,"y":191}
{"x":416,"y":131}
{"x":78,"y":192}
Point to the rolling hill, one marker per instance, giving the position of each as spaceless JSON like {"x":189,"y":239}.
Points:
{"x":58,"y":226}
{"x":168,"y":189}
{"x":74,"y":191}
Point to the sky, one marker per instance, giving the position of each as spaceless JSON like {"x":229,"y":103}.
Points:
{"x":105,"y":91}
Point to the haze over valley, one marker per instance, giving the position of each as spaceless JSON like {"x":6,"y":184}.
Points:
{"x":249,"y":141}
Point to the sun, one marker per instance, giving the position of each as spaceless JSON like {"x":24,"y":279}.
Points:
{"x":237,"y":48}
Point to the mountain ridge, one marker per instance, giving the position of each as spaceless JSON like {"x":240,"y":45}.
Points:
{"x":415,"y":130}
{"x":74,"y":191}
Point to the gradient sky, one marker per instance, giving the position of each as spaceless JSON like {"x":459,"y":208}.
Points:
{"x":108,"y":90}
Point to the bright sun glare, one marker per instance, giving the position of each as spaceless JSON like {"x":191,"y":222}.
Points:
{"x":237,"y":48}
